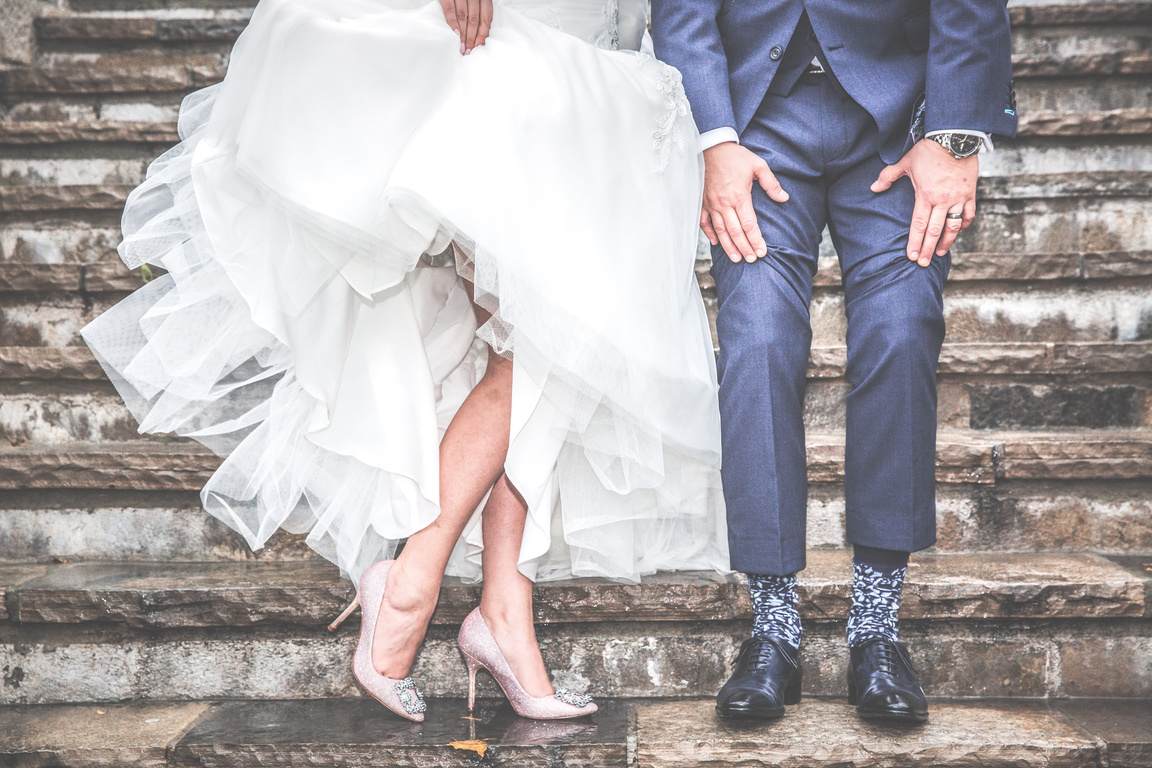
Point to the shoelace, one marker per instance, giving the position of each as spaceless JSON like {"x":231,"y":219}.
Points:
{"x":761,"y":656}
{"x":887,"y":654}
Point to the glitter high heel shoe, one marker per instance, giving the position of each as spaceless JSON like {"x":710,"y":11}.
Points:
{"x":480,"y":650}
{"x":400,"y":696}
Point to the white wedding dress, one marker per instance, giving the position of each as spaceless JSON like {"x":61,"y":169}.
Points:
{"x":313,"y":326}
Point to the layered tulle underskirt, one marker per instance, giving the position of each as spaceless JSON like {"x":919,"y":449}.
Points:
{"x":309,"y":329}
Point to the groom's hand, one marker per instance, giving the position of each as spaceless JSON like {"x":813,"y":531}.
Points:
{"x":728,"y":218}
{"x":943,"y":185}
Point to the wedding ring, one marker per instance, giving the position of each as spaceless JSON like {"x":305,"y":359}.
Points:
{"x":954,"y":216}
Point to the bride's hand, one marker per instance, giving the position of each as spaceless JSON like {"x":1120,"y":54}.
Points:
{"x":470,"y":19}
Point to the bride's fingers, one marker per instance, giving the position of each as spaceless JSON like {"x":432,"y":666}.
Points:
{"x":473,"y":25}
{"x":449,"y":8}
{"x":485,"y":22}
{"x":462,"y":23}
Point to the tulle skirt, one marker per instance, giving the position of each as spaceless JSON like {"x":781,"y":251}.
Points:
{"x":316,"y":224}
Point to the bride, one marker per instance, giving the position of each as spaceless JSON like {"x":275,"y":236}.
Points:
{"x":429,"y":276}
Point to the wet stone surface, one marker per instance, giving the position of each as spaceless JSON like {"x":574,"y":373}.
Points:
{"x":360,"y":732}
{"x":1125,"y":726}
{"x":828,"y":732}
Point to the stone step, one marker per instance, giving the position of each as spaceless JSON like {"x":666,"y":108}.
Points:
{"x":656,"y":734}
{"x":310,"y":593}
{"x":978,"y":625}
{"x":965,"y":457}
{"x":1004,"y":315}
{"x":1088,"y":29}
{"x":1107,"y":516}
{"x":956,"y":359}
{"x":59,"y":395}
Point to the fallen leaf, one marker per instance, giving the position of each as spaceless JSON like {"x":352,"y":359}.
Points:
{"x":472,"y":745}
{"x":101,"y":711}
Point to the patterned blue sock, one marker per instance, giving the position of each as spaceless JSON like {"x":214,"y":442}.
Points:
{"x":877,"y":583}
{"x":775,"y":612}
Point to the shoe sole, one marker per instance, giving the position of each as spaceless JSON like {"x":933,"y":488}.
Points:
{"x":729,"y":713}
{"x":892,"y":717}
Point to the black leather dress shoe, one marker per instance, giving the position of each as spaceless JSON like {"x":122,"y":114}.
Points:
{"x":767,"y":676}
{"x":882,"y":684}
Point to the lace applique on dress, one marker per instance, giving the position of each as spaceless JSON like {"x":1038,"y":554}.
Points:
{"x":609,"y":37}
{"x":668,"y":133}
{"x":553,"y":17}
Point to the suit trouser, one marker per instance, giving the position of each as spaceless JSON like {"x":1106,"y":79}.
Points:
{"x":824,"y":149}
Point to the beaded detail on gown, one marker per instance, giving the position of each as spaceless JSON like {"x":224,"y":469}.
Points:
{"x":309,"y":330}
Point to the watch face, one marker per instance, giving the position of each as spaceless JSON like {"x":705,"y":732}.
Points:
{"x":963,"y":144}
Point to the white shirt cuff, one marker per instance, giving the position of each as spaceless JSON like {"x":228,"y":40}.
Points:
{"x":985,"y":139}
{"x":711,"y":138}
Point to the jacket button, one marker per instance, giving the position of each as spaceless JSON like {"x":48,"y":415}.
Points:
{"x":775,"y":53}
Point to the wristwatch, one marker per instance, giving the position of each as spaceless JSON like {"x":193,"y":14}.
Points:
{"x":960,"y":145}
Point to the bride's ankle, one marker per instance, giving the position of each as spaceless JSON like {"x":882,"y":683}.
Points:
{"x":411,"y":591}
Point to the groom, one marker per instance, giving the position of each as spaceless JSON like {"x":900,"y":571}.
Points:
{"x":866,"y":117}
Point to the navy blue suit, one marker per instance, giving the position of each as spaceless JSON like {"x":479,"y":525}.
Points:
{"x":827,"y":137}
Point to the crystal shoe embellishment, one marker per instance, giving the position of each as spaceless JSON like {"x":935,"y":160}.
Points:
{"x":575,"y":699}
{"x":410,"y":696}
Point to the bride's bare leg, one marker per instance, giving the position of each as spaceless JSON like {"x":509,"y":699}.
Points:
{"x":472,"y":454}
{"x":506,"y":603}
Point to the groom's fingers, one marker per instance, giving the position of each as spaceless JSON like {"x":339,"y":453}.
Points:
{"x":751,"y":227}
{"x":920,"y":216}
{"x":770,"y":184}
{"x":725,"y":241}
{"x":888,"y":177}
{"x":735,"y":229}
{"x":952,"y":228}
{"x":706,"y":226}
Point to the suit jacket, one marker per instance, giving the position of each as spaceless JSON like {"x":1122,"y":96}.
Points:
{"x":885,"y":53}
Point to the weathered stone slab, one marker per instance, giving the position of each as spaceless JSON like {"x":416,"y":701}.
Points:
{"x":1080,"y":13}
{"x":184,"y":25}
{"x":359,"y":733}
{"x":828,"y":733}
{"x":151,"y":465}
{"x":1084,"y":65}
{"x":971,"y":658}
{"x":1124,"y":726}
{"x":119,"y":73}
{"x":1133,"y":121}
{"x":103,"y":736}
{"x":1121,"y":454}
{"x":49,"y":363}
{"x":58,"y":132}
{"x":90,"y":197}
{"x":310,"y":593}
{"x":12,"y":576}
{"x":1014,"y":406}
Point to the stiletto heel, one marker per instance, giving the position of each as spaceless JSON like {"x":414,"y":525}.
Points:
{"x":481,"y":650}
{"x":473,"y":668}
{"x":400,"y":696}
{"x":347,"y":612}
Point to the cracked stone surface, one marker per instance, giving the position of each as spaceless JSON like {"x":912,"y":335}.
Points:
{"x":825,"y":732}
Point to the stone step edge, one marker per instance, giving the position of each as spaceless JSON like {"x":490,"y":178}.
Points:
{"x":162,"y":25}
{"x":939,"y":587}
{"x":110,"y":275}
{"x":623,"y":734}
{"x":956,"y":359}
{"x":968,"y":457}
{"x":1090,"y":184}
{"x":1134,"y":121}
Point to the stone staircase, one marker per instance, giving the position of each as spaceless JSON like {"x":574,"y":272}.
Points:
{"x":137,"y":631}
